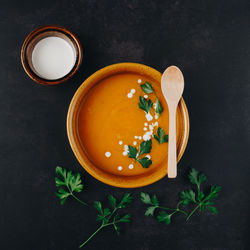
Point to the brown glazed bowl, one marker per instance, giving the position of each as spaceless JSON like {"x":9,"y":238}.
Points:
{"x":47,"y":31}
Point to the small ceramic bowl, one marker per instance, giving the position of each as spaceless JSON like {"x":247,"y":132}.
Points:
{"x":76,"y":143}
{"x":49,"y":31}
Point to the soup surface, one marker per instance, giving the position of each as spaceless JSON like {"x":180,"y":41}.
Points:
{"x":109,"y":120}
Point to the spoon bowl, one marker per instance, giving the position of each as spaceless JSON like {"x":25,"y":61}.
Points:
{"x":172,"y":84}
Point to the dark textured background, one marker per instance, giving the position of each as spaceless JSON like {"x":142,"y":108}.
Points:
{"x":208,"y":40}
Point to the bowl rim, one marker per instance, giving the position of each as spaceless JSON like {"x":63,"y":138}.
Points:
{"x":43,"y":29}
{"x":108,"y":178}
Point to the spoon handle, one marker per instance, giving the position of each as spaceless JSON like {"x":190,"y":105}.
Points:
{"x":172,"y":165}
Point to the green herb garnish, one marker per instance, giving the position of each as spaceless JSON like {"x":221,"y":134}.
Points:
{"x":132,"y":152}
{"x":148,"y":89}
{"x":111,"y":218}
{"x":158,"y":108}
{"x":201,"y":200}
{"x":145,"y":104}
{"x":145,"y":162}
{"x":68,"y":183}
{"x":161,"y":137}
{"x":145,"y":147}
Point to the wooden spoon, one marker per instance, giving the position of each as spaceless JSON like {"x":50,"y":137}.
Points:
{"x":172,"y":86}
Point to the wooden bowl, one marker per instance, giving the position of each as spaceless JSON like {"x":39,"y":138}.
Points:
{"x":48,"y":31}
{"x":131,"y":181}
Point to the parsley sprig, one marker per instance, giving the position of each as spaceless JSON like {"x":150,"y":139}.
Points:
{"x":201,"y":200}
{"x":145,"y":148}
{"x":148,"y":89}
{"x":68,"y":183}
{"x":161,"y":137}
{"x":145,"y":104}
{"x":109,"y":217}
{"x":154,"y":204}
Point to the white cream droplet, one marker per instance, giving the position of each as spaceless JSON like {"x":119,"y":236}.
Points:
{"x":130,"y":95}
{"x":145,"y":96}
{"x":146,"y":137}
{"x":120,"y":142}
{"x":139,"y":137}
{"x":132,"y":91}
{"x":149,"y":117}
{"x":156,"y":116}
{"x":134,"y":142}
{"x":124,"y":153}
{"x":131,"y":166}
{"x":145,"y":129}
{"x":107,"y":154}
{"x":139,"y":80}
{"x":148,"y":156}
{"x":145,"y":124}
{"x":119,"y":168}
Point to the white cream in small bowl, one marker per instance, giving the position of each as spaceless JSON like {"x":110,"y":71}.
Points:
{"x":53,"y":58}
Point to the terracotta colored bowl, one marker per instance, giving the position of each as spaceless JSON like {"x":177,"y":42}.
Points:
{"x":47,"y":31}
{"x":72,"y":129}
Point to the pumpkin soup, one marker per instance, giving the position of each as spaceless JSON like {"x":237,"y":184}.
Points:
{"x":123,"y":127}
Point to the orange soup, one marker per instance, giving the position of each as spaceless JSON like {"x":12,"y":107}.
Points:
{"x":110,"y":120}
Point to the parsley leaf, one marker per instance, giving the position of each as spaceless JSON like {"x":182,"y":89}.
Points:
{"x":145,"y":198}
{"x":112,"y":200}
{"x":117,"y":228}
{"x":125,"y":218}
{"x":103,"y":216}
{"x":164,"y":217}
{"x":162,"y":137}
{"x":213,"y":209}
{"x":158,"y":108}
{"x":98,"y":206}
{"x":68,"y":183}
{"x":132,"y":152}
{"x":196,"y":178}
{"x":187,"y":197}
{"x":62,"y":194}
{"x":145,"y":104}
{"x":126,"y":200}
{"x":147,"y":88}
{"x":150,"y":211}
{"x":145,"y":147}
{"x":214,"y":192}
{"x":145,"y":162}
{"x":154,"y":200}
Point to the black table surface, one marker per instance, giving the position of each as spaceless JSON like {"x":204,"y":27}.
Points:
{"x":210,"y":42}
